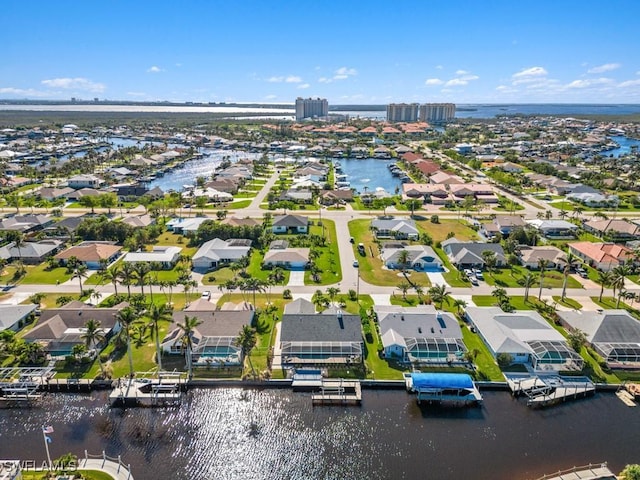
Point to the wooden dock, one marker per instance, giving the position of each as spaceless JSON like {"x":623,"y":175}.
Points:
{"x":338,"y":392}
{"x":546,"y":390}
{"x":146,"y":392}
{"x":626,"y":398}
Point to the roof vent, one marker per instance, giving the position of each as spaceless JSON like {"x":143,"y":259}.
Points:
{"x":402,"y":317}
{"x":419,"y":329}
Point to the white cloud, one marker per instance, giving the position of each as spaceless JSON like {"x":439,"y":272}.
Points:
{"x":629,"y":83}
{"x":340,"y":77}
{"x":346,"y":71}
{"x":439,"y":67}
{"x":324,"y":80}
{"x":24,"y":92}
{"x":462,"y":72}
{"x":77,"y":83}
{"x":154,"y":69}
{"x":529,"y":75}
{"x":304,"y":85}
{"x":433,"y":81}
{"x":293,"y":79}
{"x":607,"y":67}
{"x":275,"y":79}
{"x":463,"y":78}
{"x":456,"y":82}
{"x":586,"y":83}
{"x":287,"y":79}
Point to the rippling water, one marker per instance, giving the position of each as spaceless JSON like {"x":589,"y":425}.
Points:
{"x":277,"y":434}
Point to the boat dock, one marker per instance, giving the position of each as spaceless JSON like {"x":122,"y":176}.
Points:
{"x":162,"y":390}
{"x":452,"y":388}
{"x":593,"y":471}
{"x":338,"y":392}
{"x":545,"y":390}
{"x":19,"y":386}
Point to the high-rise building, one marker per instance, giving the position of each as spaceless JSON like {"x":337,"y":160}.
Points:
{"x":437,"y":112}
{"x":311,"y":108}
{"x":402,"y":112}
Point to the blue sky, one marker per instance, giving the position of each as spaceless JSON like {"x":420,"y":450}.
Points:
{"x":368,"y":52}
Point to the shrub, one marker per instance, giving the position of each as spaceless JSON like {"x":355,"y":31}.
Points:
{"x":287,"y":294}
{"x":353,"y":296}
{"x":435,"y":219}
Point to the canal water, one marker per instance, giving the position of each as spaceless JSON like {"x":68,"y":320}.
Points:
{"x":372,"y":173}
{"x":625,"y":146}
{"x":231,"y":433}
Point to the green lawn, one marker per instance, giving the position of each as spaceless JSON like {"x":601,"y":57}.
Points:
{"x":217,"y":277}
{"x":255,"y":267}
{"x":446,"y":226}
{"x":329,"y":259}
{"x":86,"y":474}
{"x":487,"y":367}
{"x":237,"y":204}
{"x":41,"y":275}
{"x":517,"y":302}
{"x":6,"y":276}
{"x":567,"y":302}
{"x":371,"y":267}
{"x":512,"y":278}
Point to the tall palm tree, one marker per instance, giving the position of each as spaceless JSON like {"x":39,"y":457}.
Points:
{"x":527,"y":283}
{"x":254,"y":285}
{"x":542,"y":265}
{"x":188,"y":328}
{"x":127,"y":275}
{"x":569,"y":264}
{"x":141,"y":271}
{"x":246,"y":340}
{"x":604,"y":279}
{"x":403,"y":259}
{"x":459,"y":304}
{"x":126,"y":318}
{"x":404,"y":288}
{"x":333,"y":292}
{"x":80,"y":272}
{"x":500,"y":294}
{"x":156,"y":314}
{"x":112,"y":275}
{"x":93,"y":336}
{"x":620,"y":274}
{"x":439,"y":294}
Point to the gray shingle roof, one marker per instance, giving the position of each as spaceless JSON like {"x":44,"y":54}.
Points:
{"x":320,"y":327}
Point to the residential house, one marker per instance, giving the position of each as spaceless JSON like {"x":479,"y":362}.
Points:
{"x":290,"y":224}
{"x":398,"y":228}
{"x":530,"y":257}
{"x":297,"y":196}
{"x":299,"y":306}
{"x":331,"y":197}
{"x":76,"y":195}
{"x":525,"y":336}
{"x":139,"y":221}
{"x":186,"y":225}
{"x":469,"y":254}
{"x":84,"y":180}
{"x":241,"y":222}
{"x":289,"y":258}
{"x":595,"y":200}
{"x":60,"y":329}
{"x":31,"y":253}
{"x":91,"y":253}
{"x":503,"y":224}
{"x":214,"y":339}
{"x":554,"y":229}
{"x":330,"y":338}
{"x":165,"y":257}
{"x":603,"y":256}
{"x":420,"y":334}
{"x":442,"y":178}
{"x":53,"y":193}
{"x":479,"y":191}
{"x":25,"y":223}
{"x":212,"y":194}
{"x":419,"y":257}
{"x":427,"y":192}
{"x":14,"y":317}
{"x":216,"y":253}
{"x":613,"y":334}
{"x":613,"y":230}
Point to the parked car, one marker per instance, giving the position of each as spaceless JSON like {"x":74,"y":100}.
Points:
{"x":468,"y":272}
{"x":206,"y":294}
{"x":361,"y":249}
{"x":352,"y":240}
{"x":478,"y":273}
{"x":356,"y":264}
{"x":474,"y":281}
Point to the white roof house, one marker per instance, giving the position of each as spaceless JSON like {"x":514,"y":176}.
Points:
{"x":218,"y":252}
{"x":12,"y":315}
{"x":165,"y":255}
{"x":525,"y":336}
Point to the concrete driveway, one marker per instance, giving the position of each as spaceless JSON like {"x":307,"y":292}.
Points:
{"x":296,"y":278}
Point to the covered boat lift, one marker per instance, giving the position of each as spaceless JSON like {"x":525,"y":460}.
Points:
{"x":443,"y":387}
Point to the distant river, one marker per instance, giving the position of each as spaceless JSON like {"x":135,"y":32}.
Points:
{"x":276,"y":434}
{"x":625,"y":146}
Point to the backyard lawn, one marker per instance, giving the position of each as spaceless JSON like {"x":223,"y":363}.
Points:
{"x":329,"y":259}
{"x":512,"y":278}
{"x":441,"y":230}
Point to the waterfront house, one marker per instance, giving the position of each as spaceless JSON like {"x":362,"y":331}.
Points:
{"x":330,"y":338}
{"x":469,"y":254}
{"x":91,"y":253}
{"x":14,"y":317}
{"x":60,"y":329}
{"x":216,"y":253}
{"x":297,"y":196}
{"x":214,"y":339}
{"x":613,"y":230}
{"x":554,"y":229}
{"x":398,"y":228}
{"x":531,"y":256}
{"x":525,"y":336}
{"x":419,"y":257}
{"x":331,"y":197}
{"x":420,"y":334}
{"x":603,"y":256}
{"x":165,"y":257}
{"x":290,"y":224}
{"x":31,"y":253}
{"x":289,"y":258}
{"x":613,"y":334}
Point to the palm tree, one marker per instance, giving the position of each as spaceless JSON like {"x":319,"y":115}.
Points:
{"x":332,"y":292}
{"x":80,"y":272}
{"x":156,"y":314}
{"x":127,"y":275}
{"x":542,"y":265}
{"x":439,"y":294}
{"x":500,"y":294}
{"x":527,"y":283}
{"x":490,"y":260}
{"x":126,"y":318}
{"x":254,"y":285}
{"x":620,"y":273}
{"x":112,"y":275}
{"x":404,"y":288}
{"x":188,"y":328}
{"x":403,"y":259}
{"x":459,"y":304}
{"x":141,"y":271}
{"x":569,"y":263}
{"x":246,"y":340}
{"x":604,"y":279}
{"x":93,"y":336}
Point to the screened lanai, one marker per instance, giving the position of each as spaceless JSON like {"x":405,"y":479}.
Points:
{"x":554,"y":354}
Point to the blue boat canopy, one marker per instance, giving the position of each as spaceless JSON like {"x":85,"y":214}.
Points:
{"x":441,"y":380}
